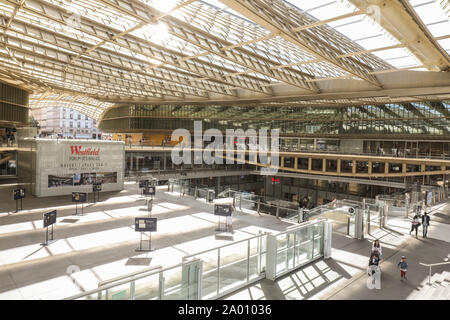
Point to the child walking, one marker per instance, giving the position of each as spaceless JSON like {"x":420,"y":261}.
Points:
{"x":403,"y":265}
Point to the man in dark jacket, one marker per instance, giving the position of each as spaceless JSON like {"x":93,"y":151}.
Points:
{"x":425,"y":223}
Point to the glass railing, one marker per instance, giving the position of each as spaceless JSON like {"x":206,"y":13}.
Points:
{"x":163,"y":284}
{"x":294,"y":248}
{"x":216,"y":272}
{"x":229,"y":267}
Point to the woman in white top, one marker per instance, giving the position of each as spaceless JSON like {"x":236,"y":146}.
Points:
{"x":415,"y":224}
{"x":376,"y":247}
{"x":230,"y":224}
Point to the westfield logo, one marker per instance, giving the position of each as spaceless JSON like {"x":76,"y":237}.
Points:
{"x":79,"y":151}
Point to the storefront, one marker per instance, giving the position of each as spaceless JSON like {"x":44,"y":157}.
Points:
{"x":51,"y":167}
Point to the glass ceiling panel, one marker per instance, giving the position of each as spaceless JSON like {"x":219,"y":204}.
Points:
{"x":50,"y":53}
{"x":360,"y":29}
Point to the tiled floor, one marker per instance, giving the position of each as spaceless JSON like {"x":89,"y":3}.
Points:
{"x":101,"y":242}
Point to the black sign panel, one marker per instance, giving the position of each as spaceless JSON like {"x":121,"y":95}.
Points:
{"x":96,"y":187}
{"x":224,"y":210}
{"x":79,"y":197}
{"x":49,"y":218}
{"x":19,"y":194}
{"x":149,"y":191}
{"x":143,"y":183}
{"x":145,"y":224}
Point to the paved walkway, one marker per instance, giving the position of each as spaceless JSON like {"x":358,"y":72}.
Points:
{"x":344,"y":275}
{"x":101,"y":242}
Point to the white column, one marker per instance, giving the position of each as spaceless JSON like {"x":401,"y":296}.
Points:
{"x":328,"y":236}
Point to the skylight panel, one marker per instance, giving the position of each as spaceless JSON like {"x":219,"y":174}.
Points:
{"x":445,"y":43}
{"x":440,"y":28}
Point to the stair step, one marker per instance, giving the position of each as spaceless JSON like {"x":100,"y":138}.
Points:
{"x":424,"y":293}
{"x":437,"y":277}
{"x":447,"y":276}
{"x":439,"y":293}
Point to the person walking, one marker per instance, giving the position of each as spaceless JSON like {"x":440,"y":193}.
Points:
{"x":415,"y":224}
{"x":376,"y":248}
{"x":425,"y":224}
{"x":403,"y":265}
{"x":374,"y":262}
{"x":230,"y":224}
{"x":374,"y":271}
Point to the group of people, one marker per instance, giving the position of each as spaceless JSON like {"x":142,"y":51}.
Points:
{"x":415,"y":224}
{"x":374,"y":263}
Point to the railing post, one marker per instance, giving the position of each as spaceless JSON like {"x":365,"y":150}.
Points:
{"x":248,"y":260}
{"x":218,"y":271}
{"x":429,"y":277}
{"x":161,"y":286}
{"x":278,"y":213}
{"x":132,"y":290}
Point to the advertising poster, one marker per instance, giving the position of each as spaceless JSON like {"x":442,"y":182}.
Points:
{"x":66,"y":166}
{"x":96,"y":187}
{"x":149,"y":191}
{"x":19,"y":194}
{"x":49,"y":218}
{"x":145,"y":224}
{"x":79,"y":197}
{"x":223,"y":210}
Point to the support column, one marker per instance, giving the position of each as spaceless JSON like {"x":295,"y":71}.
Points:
{"x":338,"y":166}
{"x":328,"y":237}
{"x":354,"y":167}
{"x":217,"y":185}
{"x":309,"y":164}
{"x":324,"y":165}
{"x":165,"y":162}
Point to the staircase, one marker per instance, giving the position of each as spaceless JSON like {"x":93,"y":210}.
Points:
{"x":439,"y":289}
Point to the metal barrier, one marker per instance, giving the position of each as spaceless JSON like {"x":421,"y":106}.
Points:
{"x":232,"y":266}
{"x":216,"y":272}
{"x":171,"y":283}
{"x":432,"y":265}
{"x":294,"y":248}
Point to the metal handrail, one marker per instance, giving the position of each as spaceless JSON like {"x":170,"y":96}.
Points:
{"x":432,"y":265}
{"x":128,"y":275}
{"x":115,"y":284}
{"x":300,"y":226}
{"x":223,"y":246}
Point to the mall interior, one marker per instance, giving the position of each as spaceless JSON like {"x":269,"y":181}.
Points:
{"x":224,"y":149}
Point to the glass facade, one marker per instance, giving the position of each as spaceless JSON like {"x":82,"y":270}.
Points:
{"x":419,"y":118}
{"x":13,"y":104}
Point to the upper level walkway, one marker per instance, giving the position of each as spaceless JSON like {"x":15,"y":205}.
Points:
{"x":330,"y":164}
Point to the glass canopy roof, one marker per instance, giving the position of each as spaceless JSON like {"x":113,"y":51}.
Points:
{"x":102,"y":52}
